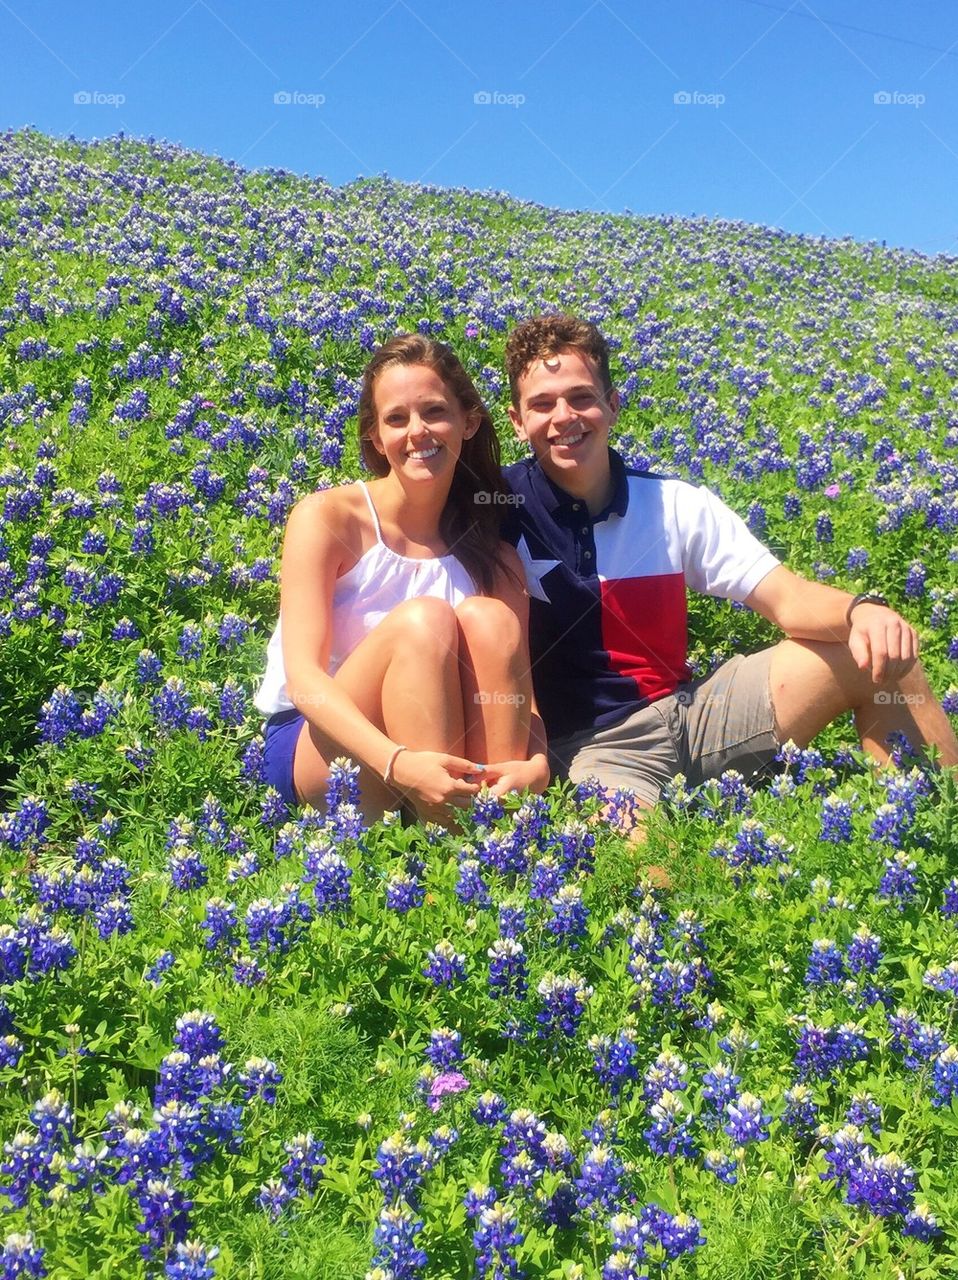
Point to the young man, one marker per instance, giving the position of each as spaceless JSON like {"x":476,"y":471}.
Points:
{"x":608,"y":554}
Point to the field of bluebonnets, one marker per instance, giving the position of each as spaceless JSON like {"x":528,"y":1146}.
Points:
{"x":244,"y":1042}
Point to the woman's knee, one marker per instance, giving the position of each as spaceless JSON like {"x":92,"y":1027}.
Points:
{"x":489,"y":626}
{"x":426,"y":624}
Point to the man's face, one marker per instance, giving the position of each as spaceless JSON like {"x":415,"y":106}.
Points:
{"x":565,"y":415}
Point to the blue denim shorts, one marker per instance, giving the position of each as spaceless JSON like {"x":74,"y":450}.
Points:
{"x":280,"y":737}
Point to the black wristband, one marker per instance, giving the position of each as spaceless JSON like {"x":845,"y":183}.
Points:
{"x":864,"y":597}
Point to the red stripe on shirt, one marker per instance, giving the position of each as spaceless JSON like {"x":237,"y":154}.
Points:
{"x":644,"y":630}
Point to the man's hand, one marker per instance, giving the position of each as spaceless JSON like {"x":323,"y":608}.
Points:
{"x":881,"y":641}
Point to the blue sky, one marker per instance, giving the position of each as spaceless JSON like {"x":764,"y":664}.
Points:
{"x":577,"y":108}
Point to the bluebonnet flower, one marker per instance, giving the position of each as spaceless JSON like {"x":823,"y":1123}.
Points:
{"x":496,"y":1237}
{"x":614,"y":1060}
{"x":486,"y":808}
{"x":446,"y":966}
{"x":801,"y":1111}
{"x":471,"y":889}
{"x":680,"y":1234}
{"x":232,"y":631}
{"x":331,"y":876}
{"x":342,"y":785}
{"x":836,"y":820}
{"x":720,"y":1087}
{"x":274,"y":1196}
{"x":921,"y":1223}
{"x":395,"y":1239}
{"x":945,"y":1076}
{"x":864,"y":953}
{"x":190,"y":646}
{"x":479,"y":1196}
{"x":512,"y":920}
{"x":21,"y":1256}
{"x":857,"y":559}
{"x":846,"y":1148}
{"x":576,"y":844}
{"x":113,"y":916}
{"x":723,"y":1166}
{"x":825,"y":964}
{"x":165,"y":1212}
{"x":884,"y":1184}
{"x":197,"y":1034}
{"x":490,"y":1109}
{"x":304,"y":1164}
{"x":823,"y":528}
{"x":668,"y":1072}
{"x":864,"y":1112}
{"x":148,"y":667}
{"x":916,"y":1040}
{"x":671,"y":1131}
{"x":599,"y":1184}
{"x":949,"y":903}
{"x":622,"y":1265}
{"x":445,"y":1048}
{"x":508,"y":974}
{"x":259,"y":1078}
{"x":248,"y":972}
{"x":745,"y":1120}
{"x":220,"y":924}
{"x":563,"y":1004}
{"x":898,"y":884}
{"x":11,"y":1051}
{"x":232,"y":707}
{"x":915,"y":579}
{"x":569,"y":914}
{"x":403,"y":892}
{"x":191,"y":1261}
{"x":273,"y":809}
{"x":546,"y":879}
{"x":822,"y":1050}
{"x":399,"y":1167}
{"x":943,"y":979}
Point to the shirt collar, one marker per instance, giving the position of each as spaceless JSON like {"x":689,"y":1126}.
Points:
{"x":554,"y":499}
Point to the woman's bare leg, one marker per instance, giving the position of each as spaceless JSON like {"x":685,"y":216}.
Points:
{"x":404,"y":677}
{"x":496,"y":681}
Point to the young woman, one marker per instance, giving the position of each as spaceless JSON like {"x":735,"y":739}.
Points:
{"x":402,"y":640}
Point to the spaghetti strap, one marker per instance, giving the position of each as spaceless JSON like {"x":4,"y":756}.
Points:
{"x":372,"y":511}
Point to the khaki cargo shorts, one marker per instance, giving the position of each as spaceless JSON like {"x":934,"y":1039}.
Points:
{"x":724,"y":721}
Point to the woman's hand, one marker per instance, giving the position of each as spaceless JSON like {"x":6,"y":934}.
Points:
{"x":518,"y":775}
{"x":434,"y":779}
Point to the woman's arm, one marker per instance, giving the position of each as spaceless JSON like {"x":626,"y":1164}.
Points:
{"x":317,"y":544}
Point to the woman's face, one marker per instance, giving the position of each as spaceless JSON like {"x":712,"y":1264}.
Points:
{"x":420,"y":424}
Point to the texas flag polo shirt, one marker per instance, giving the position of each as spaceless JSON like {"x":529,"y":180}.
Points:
{"x":608,"y":617}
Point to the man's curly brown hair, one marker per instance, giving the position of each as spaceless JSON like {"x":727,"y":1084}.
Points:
{"x":543,"y":336}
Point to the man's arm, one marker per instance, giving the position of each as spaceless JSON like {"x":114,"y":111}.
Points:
{"x":880,"y":639}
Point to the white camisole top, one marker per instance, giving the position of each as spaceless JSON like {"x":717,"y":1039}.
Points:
{"x":362,"y":597}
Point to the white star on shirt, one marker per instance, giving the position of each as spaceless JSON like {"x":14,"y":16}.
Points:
{"x":535,"y":570}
